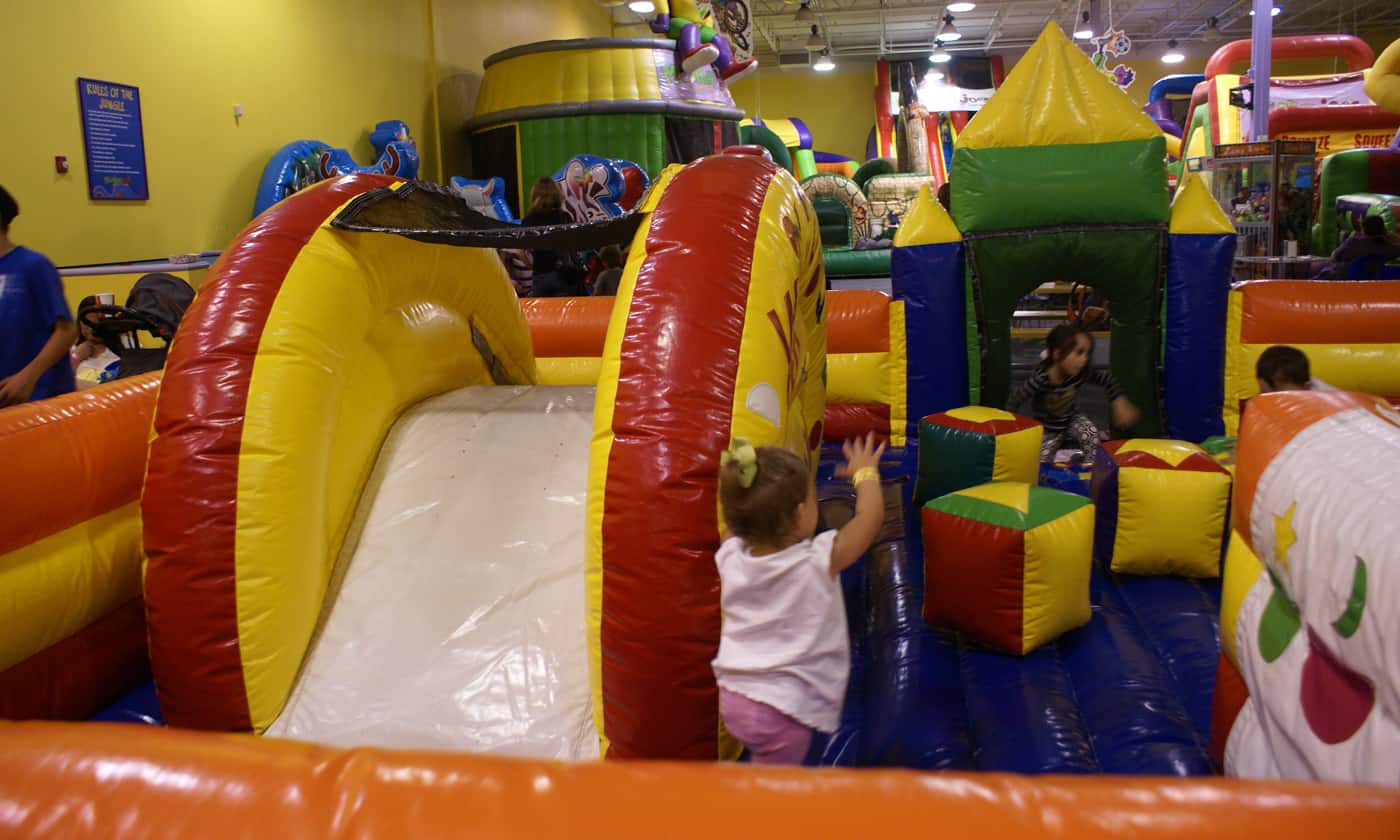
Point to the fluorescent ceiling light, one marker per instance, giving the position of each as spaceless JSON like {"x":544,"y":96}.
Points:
{"x":824,"y":64}
{"x":949,"y":32}
{"x":961,"y":7}
{"x":1172,"y":55}
{"x":642,"y":7}
{"x":1085,"y":31}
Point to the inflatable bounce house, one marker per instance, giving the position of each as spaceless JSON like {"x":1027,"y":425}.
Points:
{"x":1168,"y":104}
{"x":1334,"y":111}
{"x":301,"y":163}
{"x":1357,"y":183}
{"x":616,"y":98}
{"x":394,"y":520}
{"x":861,"y":210}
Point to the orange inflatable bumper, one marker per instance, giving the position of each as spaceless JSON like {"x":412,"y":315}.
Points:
{"x":101,"y":780}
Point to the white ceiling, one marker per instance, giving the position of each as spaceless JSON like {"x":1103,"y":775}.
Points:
{"x":871,"y":28}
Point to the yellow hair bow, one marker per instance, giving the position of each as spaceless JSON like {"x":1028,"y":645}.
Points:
{"x":741,"y":453}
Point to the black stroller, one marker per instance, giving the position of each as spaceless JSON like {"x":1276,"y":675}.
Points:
{"x":156,"y":304}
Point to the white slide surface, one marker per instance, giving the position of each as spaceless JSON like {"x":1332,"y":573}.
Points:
{"x":458,"y":623}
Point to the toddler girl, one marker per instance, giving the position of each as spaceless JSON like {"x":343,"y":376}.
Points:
{"x":1053,"y":387}
{"x":784,"y":655}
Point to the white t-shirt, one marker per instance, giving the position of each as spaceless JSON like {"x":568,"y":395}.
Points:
{"x":784,"y":640}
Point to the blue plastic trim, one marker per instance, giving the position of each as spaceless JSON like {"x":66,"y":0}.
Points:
{"x":140,"y":705}
{"x":1178,"y":84}
{"x":929,"y":279}
{"x":1193,"y":367}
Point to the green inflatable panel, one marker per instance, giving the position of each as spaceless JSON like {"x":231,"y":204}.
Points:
{"x":871,"y":168}
{"x":762,"y":135}
{"x":1122,"y":262}
{"x":1341,"y":173}
{"x":547,"y":144}
{"x":805,"y":162}
{"x":1098,"y":183}
{"x":848,"y":262}
{"x":834,"y":218}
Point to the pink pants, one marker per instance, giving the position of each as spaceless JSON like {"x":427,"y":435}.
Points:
{"x":771,"y":736}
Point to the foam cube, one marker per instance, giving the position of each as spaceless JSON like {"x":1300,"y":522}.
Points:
{"x":1162,"y":508}
{"x":973,"y":445}
{"x":1007,"y":563}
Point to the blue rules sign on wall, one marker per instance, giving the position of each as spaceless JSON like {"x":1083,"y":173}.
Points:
{"x":112,"y":139}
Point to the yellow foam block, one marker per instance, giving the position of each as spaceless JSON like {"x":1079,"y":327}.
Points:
{"x":1055,"y":592}
{"x":979,"y":414}
{"x":1170,"y":522}
{"x":1017,"y":456}
{"x":1171,"y":451}
{"x":568,"y":370}
{"x":858,"y":378}
{"x":1013,"y":494}
{"x":1242,"y":570}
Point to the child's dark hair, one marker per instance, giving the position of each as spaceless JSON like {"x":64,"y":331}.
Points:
{"x":545,"y":196}
{"x":1061,"y":339}
{"x":764,"y":513}
{"x":1281,"y":365}
{"x":9,"y":208}
{"x":1373,"y":226}
{"x":610,"y":256}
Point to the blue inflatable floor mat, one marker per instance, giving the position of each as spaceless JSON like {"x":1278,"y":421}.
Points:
{"x":1130,"y":692}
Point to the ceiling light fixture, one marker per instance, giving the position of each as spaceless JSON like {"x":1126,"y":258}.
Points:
{"x":814,"y":41}
{"x":949,"y":32}
{"x":1212,"y":34}
{"x":1085,"y":30}
{"x":804,"y":14}
{"x":940,"y":55}
{"x":933,"y":76}
{"x":642,"y":7}
{"x":824,"y":64}
{"x":1274,"y":12}
{"x":1172,"y":55}
{"x":961,"y":7}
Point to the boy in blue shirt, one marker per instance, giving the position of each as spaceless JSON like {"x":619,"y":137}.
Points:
{"x":36,"y":328}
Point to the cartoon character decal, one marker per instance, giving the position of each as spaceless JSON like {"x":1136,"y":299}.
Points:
{"x":699,"y":43}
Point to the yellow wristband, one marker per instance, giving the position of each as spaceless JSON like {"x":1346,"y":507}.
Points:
{"x":865,"y":474}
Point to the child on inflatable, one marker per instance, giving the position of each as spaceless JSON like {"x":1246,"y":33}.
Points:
{"x":1053,"y":389}
{"x":784,"y":654}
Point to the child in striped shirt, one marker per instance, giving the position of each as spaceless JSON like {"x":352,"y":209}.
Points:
{"x":1054,"y":386}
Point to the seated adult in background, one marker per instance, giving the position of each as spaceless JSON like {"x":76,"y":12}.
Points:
{"x":1370,"y":241}
{"x":551,"y":268}
{"x":93,"y":361}
{"x":611,"y":275}
{"x":36,"y":328}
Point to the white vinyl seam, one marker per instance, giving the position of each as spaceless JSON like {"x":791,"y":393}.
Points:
{"x":457,"y":621}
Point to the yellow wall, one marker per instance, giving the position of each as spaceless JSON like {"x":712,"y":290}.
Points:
{"x":839,"y":107}
{"x":467,"y":32}
{"x":319,"y":69}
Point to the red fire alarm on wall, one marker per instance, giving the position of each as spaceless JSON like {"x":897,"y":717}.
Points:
{"x":60,"y":164}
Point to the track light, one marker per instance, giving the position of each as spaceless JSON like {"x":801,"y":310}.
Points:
{"x":1212,"y":34}
{"x":940,"y":55}
{"x":1172,"y":55}
{"x":949,"y":32}
{"x":804,"y":14}
{"x":814,"y":41}
{"x":642,"y":7}
{"x":824,"y":64}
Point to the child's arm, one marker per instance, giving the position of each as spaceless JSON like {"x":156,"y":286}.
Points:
{"x":863,"y":468}
{"x":1125,"y":413}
